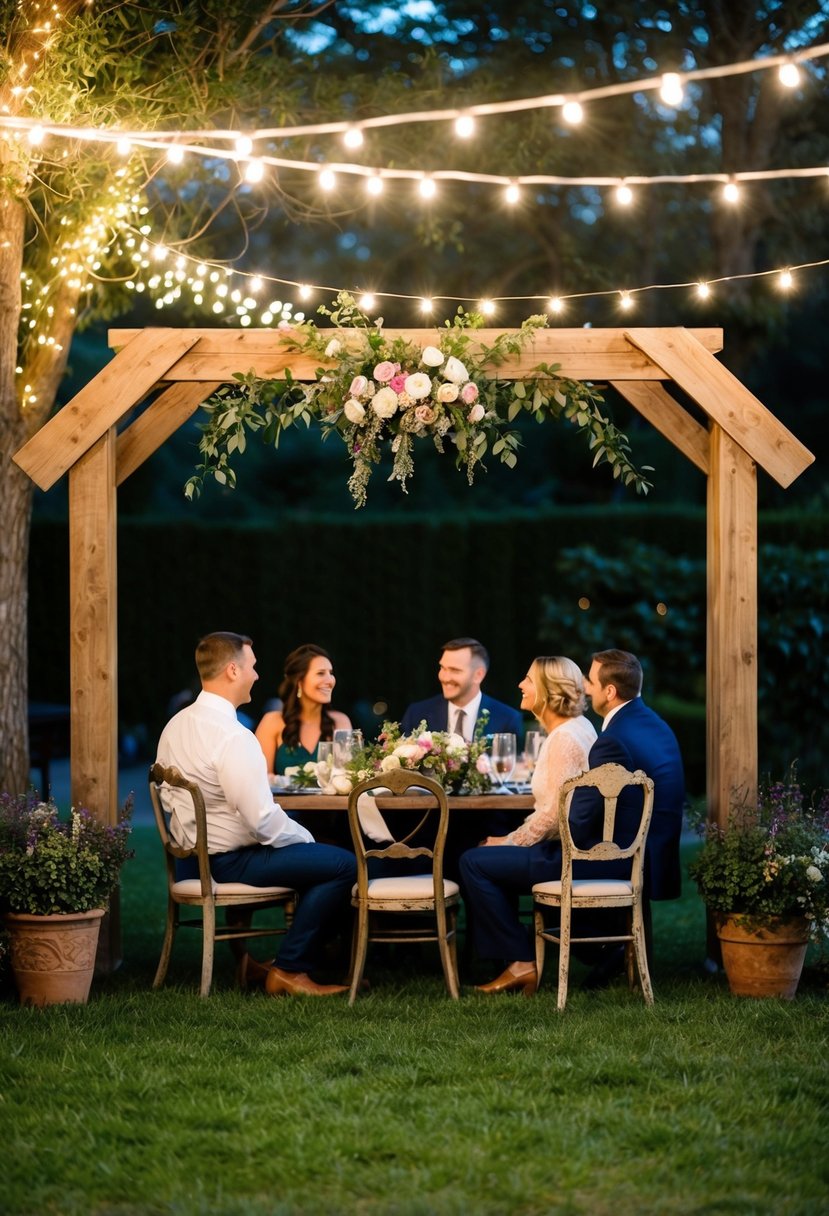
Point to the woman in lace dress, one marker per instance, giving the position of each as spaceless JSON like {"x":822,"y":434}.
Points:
{"x":495,"y":874}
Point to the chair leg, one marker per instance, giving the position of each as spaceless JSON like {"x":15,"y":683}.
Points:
{"x":563,"y":955}
{"x":208,"y":944}
{"x":449,"y":972}
{"x":540,"y":942}
{"x":358,"y":953}
{"x":641,"y":951}
{"x":167,"y":945}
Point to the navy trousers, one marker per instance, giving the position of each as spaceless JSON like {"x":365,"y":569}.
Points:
{"x":492,"y":879}
{"x":322,"y":874}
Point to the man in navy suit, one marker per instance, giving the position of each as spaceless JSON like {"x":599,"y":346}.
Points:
{"x":463,"y":665}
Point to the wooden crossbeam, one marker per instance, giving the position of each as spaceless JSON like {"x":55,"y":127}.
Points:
{"x":726,"y":401}
{"x":584,"y":354}
{"x":158,"y":422}
{"x":668,"y":417}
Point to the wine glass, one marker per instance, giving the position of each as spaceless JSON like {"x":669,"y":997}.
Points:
{"x":325,"y":762}
{"x":346,"y":743}
{"x":502,"y":757}
{"x":532,"y":746}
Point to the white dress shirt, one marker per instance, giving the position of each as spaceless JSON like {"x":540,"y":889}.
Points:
{"x":209,"y":746}
{"x":470,"y":712}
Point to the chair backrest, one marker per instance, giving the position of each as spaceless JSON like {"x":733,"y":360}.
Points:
{"x":435,"y":814}
{"x":158,"y":776}
{"x":609,"y":780}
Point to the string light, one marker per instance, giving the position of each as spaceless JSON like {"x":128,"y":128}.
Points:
{"x":555,"y":304}
{"x":427,"y":187}
{"x":703,"y":291}
{"x":465,"y":126}
{"x":624,"y":195}
{"x":671,"y":89}
{"x":374,"y":184}
{"x":244,"y":145}
{"x":572,"y":112}
{"x":785,"y":280}
{"x":789,"y":74}
{"x":327,"y":180}
{"x":367,"y":302}
{"x":175,"y":154}
{"x":254,"y":171}
{"x":625,"y":301}
{"x":353,"y":137}
{"x":512,"y":193}
{"x":731,"y":192}
{"x":426,"y":306}
{"x":487,"y":307}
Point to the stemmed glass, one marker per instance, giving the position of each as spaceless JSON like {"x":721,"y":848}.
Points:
{"x":502,"y":758}
{"x":325,"y":762}
{"x":532,"y":746}
{"x":346,"y":743}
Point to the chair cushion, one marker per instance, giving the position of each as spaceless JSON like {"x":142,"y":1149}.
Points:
{"x":587,"y":886}
{"x":412,"y":886}
{"x":189,"y":887}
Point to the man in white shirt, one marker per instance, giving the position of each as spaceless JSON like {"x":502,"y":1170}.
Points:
{"x":250,"y":839}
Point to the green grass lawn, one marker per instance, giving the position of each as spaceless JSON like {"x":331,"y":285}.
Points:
{"x":409,"y":1103}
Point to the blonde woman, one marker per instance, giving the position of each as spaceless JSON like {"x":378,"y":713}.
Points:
{"x":495,"y":874}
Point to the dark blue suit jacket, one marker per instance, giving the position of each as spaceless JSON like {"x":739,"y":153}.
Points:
{"x":435,"y":713}
{"x":636,"y":737}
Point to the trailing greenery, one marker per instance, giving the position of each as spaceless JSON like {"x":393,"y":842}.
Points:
{"x":49,"y":866}
{"x":376,"y":392}
{"x":149,"y":1102}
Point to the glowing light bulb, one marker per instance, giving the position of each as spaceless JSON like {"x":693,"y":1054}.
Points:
{"x":512,"y":193}
{"x":256,"y":283}
{"x":464,"y":126}
{"x":123,"y":146}
{"x":367,"y":302}
{"x":427,"y":187}
{"x":785,"y":280}
{"x":703,"y":291}
{"x":624,"y":195}
{"x":487,"y":308}
{"x":353,"y":138}
{"x":327,"y":180}
{"x":731,"y":192}
{"x":254,"y":171}
{"x":789,"y":75}
{"x":36,"y":135}
{"x":304,"y":292}
{"x":572,"y":113}
{"x":175,"y":154}
{"x":426,"y":305}
{"x":671,"y":90}
{"x":555,"y":304}
{"x":244,"y":145}
{"x":160,"y":252}
{"x":625,"y":301}
{"x":374,"y":184}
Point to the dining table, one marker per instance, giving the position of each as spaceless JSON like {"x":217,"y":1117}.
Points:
{"x":314,"y":800}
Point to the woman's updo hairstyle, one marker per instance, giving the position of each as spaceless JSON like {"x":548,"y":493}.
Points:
{"x":559,"y":686}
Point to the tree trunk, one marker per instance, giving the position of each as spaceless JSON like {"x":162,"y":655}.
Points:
{"x":15,"y":514}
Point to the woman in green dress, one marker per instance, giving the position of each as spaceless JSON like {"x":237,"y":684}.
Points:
{"x":290,"y":736}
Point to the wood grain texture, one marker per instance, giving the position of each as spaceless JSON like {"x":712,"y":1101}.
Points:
{"x":668,"y":417}
{"x":158,"y":422}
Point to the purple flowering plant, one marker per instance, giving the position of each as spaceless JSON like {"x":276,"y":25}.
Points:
{"x":769,"y":860}
{"x":50,"y":865}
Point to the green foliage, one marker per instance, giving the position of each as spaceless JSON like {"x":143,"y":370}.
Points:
{"x":456,"y":764}
{"x":375,"y":393}
{"x":49,"y":866}
{"x":770,"y":860}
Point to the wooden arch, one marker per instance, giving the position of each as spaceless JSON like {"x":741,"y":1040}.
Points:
{"x":741,"y":434}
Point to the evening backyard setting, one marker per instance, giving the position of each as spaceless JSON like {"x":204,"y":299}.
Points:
{"x":334,"y":331}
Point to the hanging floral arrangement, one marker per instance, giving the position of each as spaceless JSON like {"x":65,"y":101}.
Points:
{"x":381,"y":394}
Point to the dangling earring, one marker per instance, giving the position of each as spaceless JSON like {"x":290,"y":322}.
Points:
{"x":298,"y":693}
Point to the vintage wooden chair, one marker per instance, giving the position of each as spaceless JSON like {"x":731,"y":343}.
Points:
{"x":378,"y":899}
{"x":572,"y":893}
{"x":204,"y":892}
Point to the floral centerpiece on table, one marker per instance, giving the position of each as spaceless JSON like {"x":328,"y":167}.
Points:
{"x":458,"y":765}
{"x":48,"y":865}
{"x":380,"y":393}
{"x":770,"y":860}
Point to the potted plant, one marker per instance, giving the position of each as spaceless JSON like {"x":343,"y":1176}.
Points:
{"x":765,"y":878}
{"x":56,"y":878}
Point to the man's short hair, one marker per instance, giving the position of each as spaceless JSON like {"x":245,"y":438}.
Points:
{"x":216,"y":650}
{"x":622,"y":669}
{"x":480,"y":657}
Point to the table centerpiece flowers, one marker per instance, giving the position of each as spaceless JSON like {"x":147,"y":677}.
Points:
{"x":459,"y":765}
{"x":380,"y":393}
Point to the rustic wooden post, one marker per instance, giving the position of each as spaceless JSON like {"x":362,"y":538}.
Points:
{"x":93,"y":651}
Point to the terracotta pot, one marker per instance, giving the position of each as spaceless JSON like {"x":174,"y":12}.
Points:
{"x":763,"y":961}
{"x":53,"y":957}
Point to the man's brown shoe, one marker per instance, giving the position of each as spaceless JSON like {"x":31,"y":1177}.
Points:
{"x":298,"y":983}
{"x":250,"y":973}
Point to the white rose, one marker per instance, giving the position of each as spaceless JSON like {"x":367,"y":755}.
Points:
{"x":407,"y":751}
{"x":432,"y":357}
{"x":333,"y":348}
{"x":341,"y":783}
{"x":448,"y":392}
{"x":291,"y":771}
{"x":353,"y":411}
{"x":455,"y":371}
{"x":384,"y":402}
{"x":813,"y":874}
{"x":476,"y":413}
{"x":418,"y":385}
{"x":389,"y":762}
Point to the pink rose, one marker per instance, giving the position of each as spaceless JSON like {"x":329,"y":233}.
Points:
{"x":476,"y":413}
{"x":397,"y":382}
{"x":425,"y":414}
{"x":358,"y":386}
{"x":482,"y":763}
{"x":469,"y":393}
{"x":384,"y":371}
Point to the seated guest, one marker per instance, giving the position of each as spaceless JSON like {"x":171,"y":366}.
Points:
{"x":463,"y":665}
{"x":637,"y":738}
{"x":290,"y":735}
{"x":250,"y":839}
